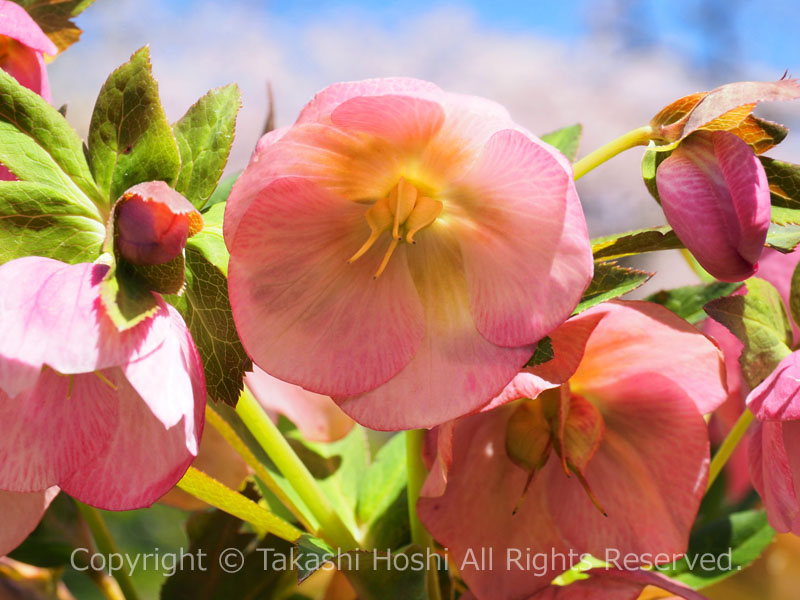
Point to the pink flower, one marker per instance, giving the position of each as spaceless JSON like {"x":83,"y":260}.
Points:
{"x":620,"y":409}
{"x":112,"y":418}
{"x":21,"y":513}
{"x":317,"y":417}
{"x":22,"y":48}
{"x":401,"y":249}
{"x":715,"y":195}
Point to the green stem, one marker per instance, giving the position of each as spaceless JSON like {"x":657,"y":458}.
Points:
{"x":728,"y":446}
{"x":280,"y":452}
{"x":105,"y":544}
{"x":636,"y":137}
{"x":417,"y":472}
{"x":220,"y":496}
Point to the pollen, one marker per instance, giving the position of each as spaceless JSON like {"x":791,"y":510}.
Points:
{"x":403,"y":213}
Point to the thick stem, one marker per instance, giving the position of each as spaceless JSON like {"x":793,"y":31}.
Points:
{"x":105,"y":544}
{"x":636,"y":137}
{"x":280,"y":452}
{"x":728,"y":446}
{"x":417,"y":472}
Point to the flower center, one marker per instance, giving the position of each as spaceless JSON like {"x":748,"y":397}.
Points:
{"x":405,"y":212}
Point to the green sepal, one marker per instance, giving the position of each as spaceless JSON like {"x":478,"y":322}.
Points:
{"x":566,"y":140}
{"x":610,"y":281}
{"x":127,"y":299}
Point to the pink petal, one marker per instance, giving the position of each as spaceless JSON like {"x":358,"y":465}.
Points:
{"x":26,"y":65}
{"x":268,"y":139}
{"x":317,"y":417}
{"x":51,"y":314}
{"x":304,"y":314}
{"x":644,"y":340}
{"x":715,"y":195}
{"x":438,"y":456}
{"x":142,"y":459}
{"x":323,"y":104}
{"x":16,"y":23}
{"x":730,"y":96}
{"x":403,"y":120}
{"x":455,"y":370}
{"x":21,"y":514}
{"x":522,"y":284}
{"x":777,"y":398}
{"x":774,"y":454}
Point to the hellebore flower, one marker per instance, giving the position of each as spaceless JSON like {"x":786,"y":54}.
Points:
{"x":317,"y":417}
{"x":402,"y":249}
{"x":715,"y":195}
{"x":21,"y":513}
{"x":112,"y":418}
{"x":22,"y":48}
{"x":613,"y":425}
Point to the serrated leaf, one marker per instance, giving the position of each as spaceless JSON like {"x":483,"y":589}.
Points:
{"x":721,"y":549}
{"x":58,"y":160}
{"x":760,"y":321}
{"x":784,"y":239}
{"x":130,"y":140}
{"x":687,"y":302}
{"x":676,"y":113}
{"x":543,"y":353}
{"x":382,"y":575}
{"x":166,"y":278}
{"x":205,"y":136}
{"x":610,"y":281}
{"x":566,"y":140}
{"x":126,"y":299}
{"x":784,"y":187}
{"x":761,"y":135}
{"x":53,"y":16}
{"x":635,"y":242}
{"x":206,"y":309}
{"x":37,"y":220}
{"x":312,"y":554}
{"x":383,"y":481}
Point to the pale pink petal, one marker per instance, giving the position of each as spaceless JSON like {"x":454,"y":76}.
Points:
{"x":142,"y":459}
{"x":16,"y":23}
{"x":51,"y":314}
{"x":777,"y":398}
{"x":715,"y":195}
{"x":774,"y":454}
{"x":529,"y":260}
{"x":727,"y":97}
{"x":53,"y":429}
{"x":641,"y":340}
{"x":171,"y":380}
{"x":317,"y":417}
{"x":476,"y":513}
{"x":21,"y":514}
{"x":323,"y":104}
{"x":268,"y":139}
{"x":455,"y":370}
{"x":304,"y":314}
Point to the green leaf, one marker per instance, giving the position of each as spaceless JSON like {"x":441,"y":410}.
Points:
{"x":206,"y":309}
{"x":38,"y":220}
{"x":210,"y":241}
{"x":566,"y":140}
{"x":205,"y":136}
{"x":543,"y":353}
{"x":610,"y":281}
{"x":784,"y":239}
{"x":794,"y":296}
{"x":223,"y":191}
{"x":687,"y":302}
{"x":312,"y":554}
{"x":635,"y":242}
{"x":52,"y":154}
{"x":383,"y":481}
{"x":127,"y":299}
{"x":391,"y":575}
{"x":759,"y":320}
{"x":784,"y":185}
{"x":130,"y":140}
{"x":53,"y":16}
{"x":652,"y":158}
{"x":721,"y":549}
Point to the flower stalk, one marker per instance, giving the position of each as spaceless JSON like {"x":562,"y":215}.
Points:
{"x":636,"y":137}
{"x":728,"y":446}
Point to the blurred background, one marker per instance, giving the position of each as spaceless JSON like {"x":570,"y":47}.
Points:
{"x":608,"y":64}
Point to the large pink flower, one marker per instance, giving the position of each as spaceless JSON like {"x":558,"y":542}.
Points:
{"x":22,"y":48}
{"x":620,"y":408}
{"x":402,"y":249}
{"x":112,"y":418}
{"x":715,"y":195}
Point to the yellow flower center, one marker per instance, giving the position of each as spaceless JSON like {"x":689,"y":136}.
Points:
{"x":404,"y":212}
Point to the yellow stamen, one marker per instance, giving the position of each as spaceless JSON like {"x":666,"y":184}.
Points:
{"x":404,"y":201}
{"x":425,"y":212}
{"x":379,"y":218}
{"x":386,"y":257}
{"x":105,"y":380}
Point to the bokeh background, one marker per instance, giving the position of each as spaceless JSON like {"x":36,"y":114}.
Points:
{"x":608,"y":64}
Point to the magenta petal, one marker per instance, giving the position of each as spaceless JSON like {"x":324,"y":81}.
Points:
{"x":777,"y":398}
{"x":715,"y":195}
{"x":304,"y":314}
{"x":16,"y":23}
{"x":21,"y":514}
{"x":455,"y":369}
{"x":774,"y":453}
{"x":530,"y":261}
{"x":142,"y":460}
